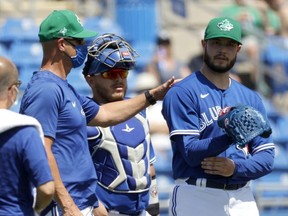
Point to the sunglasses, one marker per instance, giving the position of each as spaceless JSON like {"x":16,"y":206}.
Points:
{"x":17,"y":84}
{"x":78,"y":41}
{"x":114,"y":74}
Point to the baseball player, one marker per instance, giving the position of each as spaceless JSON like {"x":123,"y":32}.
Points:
{"x":123,"y":155}
{"x":212,"y":173}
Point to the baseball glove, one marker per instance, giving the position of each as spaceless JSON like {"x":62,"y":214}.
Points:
{"x":243,"y":123}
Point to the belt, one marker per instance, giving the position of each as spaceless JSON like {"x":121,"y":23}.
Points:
{"x":212,"y":184}
{"x":124,"y":213}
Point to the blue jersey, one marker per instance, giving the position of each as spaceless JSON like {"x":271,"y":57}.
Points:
{"x":24,"y":164}
{"x":122,"y":155}
{"x":63,"y":115}
{"x":191,"y":110}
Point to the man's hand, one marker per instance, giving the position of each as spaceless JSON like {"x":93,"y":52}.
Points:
{"x":218,"y":166}
{"x":159,"y":92}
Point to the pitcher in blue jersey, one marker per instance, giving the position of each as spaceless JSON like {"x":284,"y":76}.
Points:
{"x":123,"y":155}
{"x":211,"y":173}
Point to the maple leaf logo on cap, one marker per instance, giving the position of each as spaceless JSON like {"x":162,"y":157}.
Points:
{"x":63,"y":31}
{"x":225,"y":25}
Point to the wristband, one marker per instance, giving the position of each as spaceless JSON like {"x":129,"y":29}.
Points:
{"x":154,"y":207}
{"x":150,"y":98}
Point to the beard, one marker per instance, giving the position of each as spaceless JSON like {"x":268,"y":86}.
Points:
{"x":218,"y":68}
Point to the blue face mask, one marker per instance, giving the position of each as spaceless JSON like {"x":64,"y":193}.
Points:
{"x":81,"y":54}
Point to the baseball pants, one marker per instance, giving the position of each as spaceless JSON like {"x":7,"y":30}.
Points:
{"x":203,"y":201}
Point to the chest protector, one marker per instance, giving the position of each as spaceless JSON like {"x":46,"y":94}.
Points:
{"x":121,"y":157}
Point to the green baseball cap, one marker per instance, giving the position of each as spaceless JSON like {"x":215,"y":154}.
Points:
{"x":61,"y":24}
{"x":223,"y":27}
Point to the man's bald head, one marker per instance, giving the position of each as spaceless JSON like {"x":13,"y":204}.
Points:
{"x":8,"y":73}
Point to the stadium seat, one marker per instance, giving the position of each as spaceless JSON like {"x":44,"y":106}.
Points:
{"x":25,"y":74}
{"x":26,"y":54}
{"x":101,"y":25}
{"x":4,"y":51}
{"x":77,"y":80}
{"x":280,"y":133}
{"x":145,"y":51}
{"x":137,"y":19}
{"x":18,"y":29}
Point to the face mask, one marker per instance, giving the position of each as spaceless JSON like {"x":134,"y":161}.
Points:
{"x":14,"y":101}
{"x":81,"y":54}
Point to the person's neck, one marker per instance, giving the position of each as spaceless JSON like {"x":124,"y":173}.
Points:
{"x":4,"y":104}
{"x":220,"y":80}
{"x":57,"y":69}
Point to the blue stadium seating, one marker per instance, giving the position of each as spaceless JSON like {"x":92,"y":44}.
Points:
{"x":145,"y":51}
{"x":101,"y":25}
{"x":77,"y":80}
{"x":4,"y":51}
{"x":25,"y":74}
{"x":18,"y":29}
{"x":26,"y":53}
{"x":138,"y":19}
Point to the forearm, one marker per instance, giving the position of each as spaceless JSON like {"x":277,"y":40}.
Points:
{"x":61,"y":196}
{"x":195,"y":150}
{"x":116,"y":112}
{"x":254,"y":167}
{"x":44,"y":195}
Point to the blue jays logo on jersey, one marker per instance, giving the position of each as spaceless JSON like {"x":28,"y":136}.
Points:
{"x":207,"y":118}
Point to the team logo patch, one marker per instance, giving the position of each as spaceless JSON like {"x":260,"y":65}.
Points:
{"x":225,"y":110}
{"x":153,"y":191}
{"x":225,"y":25}
{"x":63,"y":31}
{"x":125,"y":53}
{"x":128,"y":129}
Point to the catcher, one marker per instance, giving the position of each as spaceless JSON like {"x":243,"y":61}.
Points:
{"x":213,"y":165}
{"x":122,"y":154}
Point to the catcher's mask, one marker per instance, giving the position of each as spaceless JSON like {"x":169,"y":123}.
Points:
{"x":109,"y":51}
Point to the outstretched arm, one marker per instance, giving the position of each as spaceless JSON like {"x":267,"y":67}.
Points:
{"x":116,"y":112}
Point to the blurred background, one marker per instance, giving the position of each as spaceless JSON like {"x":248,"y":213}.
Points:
{"x":167,"y":35}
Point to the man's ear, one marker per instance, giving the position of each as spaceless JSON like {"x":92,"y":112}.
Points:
{"x":89,"y":80}
{"x":239,"y":47}
{"x":204,"y":43}
{"x":61,"y":44}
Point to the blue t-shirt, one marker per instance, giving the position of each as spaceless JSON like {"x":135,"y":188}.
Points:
{"x":24,"y":164}
{"x":64,"y":114}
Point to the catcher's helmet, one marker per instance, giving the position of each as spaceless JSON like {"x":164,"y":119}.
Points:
{"x":109,"y":51}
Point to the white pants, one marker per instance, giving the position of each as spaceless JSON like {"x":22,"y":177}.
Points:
{"x":201,"y":201}
{"x":114,"y":213}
